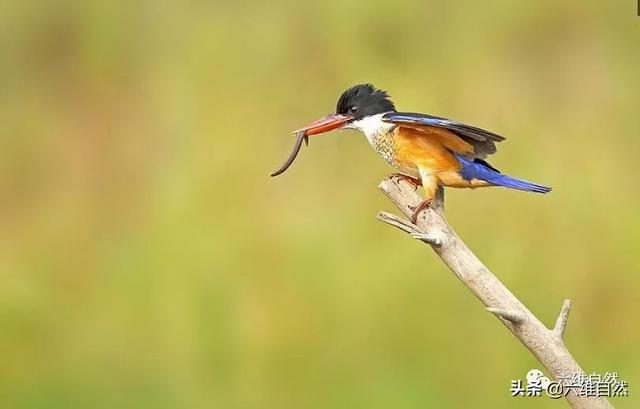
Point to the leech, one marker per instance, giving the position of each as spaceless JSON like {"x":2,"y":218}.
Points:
{"x":300,"y":137}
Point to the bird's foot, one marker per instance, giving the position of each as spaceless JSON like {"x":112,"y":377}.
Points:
{"x":411,"y":180}
{"x":420,"y":207}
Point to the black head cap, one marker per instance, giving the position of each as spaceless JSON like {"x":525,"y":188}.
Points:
{"x":364,"y":100}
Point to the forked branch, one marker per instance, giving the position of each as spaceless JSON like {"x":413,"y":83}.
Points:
{"x":432,"y":228}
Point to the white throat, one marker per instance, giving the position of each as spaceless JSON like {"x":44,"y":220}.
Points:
{"x":371,"y":126}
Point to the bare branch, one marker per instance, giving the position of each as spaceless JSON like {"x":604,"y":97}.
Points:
{"x":561,"y":322}
{"x":428,"y":238}
{"x":408,"y":227}
{"x":546,"y":345}
{"x":512,"y":316}
{"x":398,"y":222}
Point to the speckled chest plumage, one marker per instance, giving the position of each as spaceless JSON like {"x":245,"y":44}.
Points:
{"x":383,"y":138}
{"x":384,"y":143}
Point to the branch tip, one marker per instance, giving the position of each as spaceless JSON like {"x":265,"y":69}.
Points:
{"x":397,"y":222}
{"x":561,"y":321}
{"x":513,"y":317}
{"x":427,"y":238}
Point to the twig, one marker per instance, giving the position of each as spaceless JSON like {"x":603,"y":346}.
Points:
{"x":561,"y":322}
{"x":428,"y":238}
{"x":410,"y":228}
{"x":512,"y":316}
{"x":545,"y":344}
{"x":397,"y":222}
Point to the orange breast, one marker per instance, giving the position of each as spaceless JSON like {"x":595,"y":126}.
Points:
{"x":430,"y":150}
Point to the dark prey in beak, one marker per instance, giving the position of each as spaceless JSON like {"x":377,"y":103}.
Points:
{"x":322,"y":125}
{"x":300,"y":137}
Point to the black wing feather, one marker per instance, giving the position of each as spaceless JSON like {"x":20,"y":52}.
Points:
{"x":483,"y":141}
{"x":459,"y":128}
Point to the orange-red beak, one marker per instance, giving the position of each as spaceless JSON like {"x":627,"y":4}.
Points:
{"x":326,"y":124}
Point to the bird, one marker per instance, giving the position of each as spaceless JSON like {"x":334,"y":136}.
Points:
{"x":426,"y":150}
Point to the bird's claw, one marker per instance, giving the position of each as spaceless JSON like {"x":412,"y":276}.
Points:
{"x":420,"y":207}
{"x":396,"y":177}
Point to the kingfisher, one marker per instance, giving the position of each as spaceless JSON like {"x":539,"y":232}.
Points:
{"x":427,"y":150}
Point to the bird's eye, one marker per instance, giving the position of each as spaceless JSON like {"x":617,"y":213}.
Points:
{"x":353,"y":109}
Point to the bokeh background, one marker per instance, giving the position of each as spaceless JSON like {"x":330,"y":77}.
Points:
{"x":148,"y":261}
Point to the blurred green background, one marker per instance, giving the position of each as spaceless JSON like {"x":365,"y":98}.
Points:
{"x":148,"y":261}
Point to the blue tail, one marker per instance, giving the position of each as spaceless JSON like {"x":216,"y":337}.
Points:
{"x":479,"y":169}
{"x":519,"y":184}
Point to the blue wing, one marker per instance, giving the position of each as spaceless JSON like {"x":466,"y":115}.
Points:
{"x":482,"y":140}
